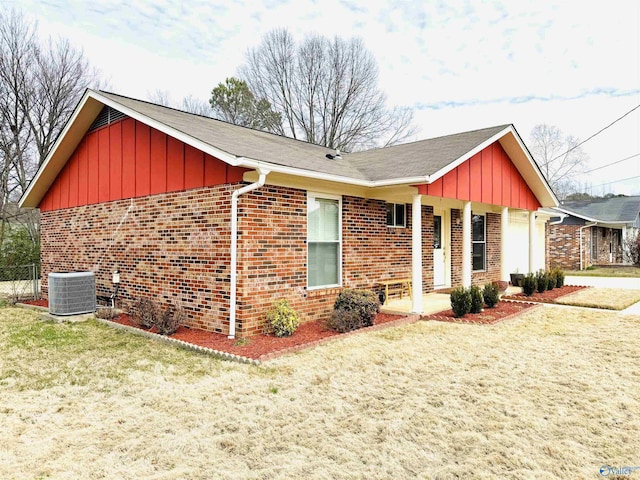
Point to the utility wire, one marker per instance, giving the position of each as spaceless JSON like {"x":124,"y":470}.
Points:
{"x":612,"y":163}
{"x":615,"y":181}
{"x":597,"y":133}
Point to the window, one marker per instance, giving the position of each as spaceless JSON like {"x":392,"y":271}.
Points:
{"x":594,"y":243}
{"x":395,"y":214}
{"x":479,"y":242}
{"x":324,"y":241}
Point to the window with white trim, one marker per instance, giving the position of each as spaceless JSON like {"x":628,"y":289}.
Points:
{"x":479,"y":242}
{"x":324,"y":238}
{"x":396,"y":214}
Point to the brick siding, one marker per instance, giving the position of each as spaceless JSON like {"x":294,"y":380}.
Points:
{"x":174,"y":248}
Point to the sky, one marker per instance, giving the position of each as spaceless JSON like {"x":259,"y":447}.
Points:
{"x":459,"y":65}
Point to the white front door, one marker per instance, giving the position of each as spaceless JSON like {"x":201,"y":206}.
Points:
{"x":439,"y":265}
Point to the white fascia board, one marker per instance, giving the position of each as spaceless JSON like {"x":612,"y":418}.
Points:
{"x":183,"y":137}
{"x":579,"y":215}
{"x":459,"y":161}
{"x":55,"y":147}
{"x":591,"y":219}
{"x":535,"y":166}
{"x":509,"y":129}
{"x":254,"y":164}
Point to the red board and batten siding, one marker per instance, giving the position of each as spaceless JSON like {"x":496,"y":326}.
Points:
{"x":487,"y":177}
{"x":128,"y":159}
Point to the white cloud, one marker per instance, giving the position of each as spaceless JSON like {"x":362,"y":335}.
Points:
{"x":576,"y":66}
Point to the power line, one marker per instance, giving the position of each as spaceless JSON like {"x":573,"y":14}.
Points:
{"x":612,"y":163}
{"x":597,"y":133}
{"x":615,"y":181}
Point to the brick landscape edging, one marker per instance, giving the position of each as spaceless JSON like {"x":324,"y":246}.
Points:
{"x":444,"y":318}
{"x":535,"y":299}
{"x":180,"y":343}
{"x":381,"y":326}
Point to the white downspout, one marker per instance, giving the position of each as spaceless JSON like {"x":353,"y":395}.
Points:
{"x":466,"y":244}
{"x":234,"y":246}
{"x":416,"y":254}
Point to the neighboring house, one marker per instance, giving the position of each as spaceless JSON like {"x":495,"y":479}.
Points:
{"x":224,"y":220}
{"x":592,"y":232}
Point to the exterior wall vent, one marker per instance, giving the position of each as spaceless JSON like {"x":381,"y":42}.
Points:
{"x":72,"y":293}
{"x":106,"y":116}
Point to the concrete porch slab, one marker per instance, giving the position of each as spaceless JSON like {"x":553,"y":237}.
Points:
{"x":431,"y":303}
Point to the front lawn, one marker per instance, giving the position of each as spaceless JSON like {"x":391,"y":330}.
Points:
{"x":551,"y":394}
{"x":625,"y":271}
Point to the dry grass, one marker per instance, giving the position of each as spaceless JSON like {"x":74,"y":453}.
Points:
{"x":617,"y":271}
{"x":553,"y":394}
{"x":609,"y":298}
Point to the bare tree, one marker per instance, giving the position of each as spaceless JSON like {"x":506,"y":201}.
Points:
{"x":194,"y":105}
{"x":559,"y":157}
{"x":160,"y":97}
{"x":326,"y":91}
{"x":40,"y":84}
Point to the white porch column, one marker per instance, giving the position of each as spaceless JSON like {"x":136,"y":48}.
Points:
{"x":466,"y":244}
{"x":416,"y":254}
{"x":532,"y":241}
{"x":504,"y":244}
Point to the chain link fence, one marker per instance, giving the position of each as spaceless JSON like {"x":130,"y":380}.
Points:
{"x":20,"y":282}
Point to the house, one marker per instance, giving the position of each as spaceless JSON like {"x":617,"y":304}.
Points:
{"x":224,"y":220}
{"x":592,"y":232}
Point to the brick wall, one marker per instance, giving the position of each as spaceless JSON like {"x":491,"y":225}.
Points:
{"x":273,"y":252}
{"x":563,"y":246}
{"x":173,"y":248}
{"x":492,"y":255}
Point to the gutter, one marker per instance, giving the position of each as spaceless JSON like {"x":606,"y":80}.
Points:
{"x":234,"y":246}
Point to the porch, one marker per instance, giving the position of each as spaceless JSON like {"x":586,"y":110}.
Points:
{"x":432,"y":302}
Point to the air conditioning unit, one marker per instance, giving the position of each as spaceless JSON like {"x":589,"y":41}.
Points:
{"x":72,"y":293}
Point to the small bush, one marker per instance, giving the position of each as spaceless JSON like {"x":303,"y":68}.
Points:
{"x":460,"y":302}
{"x":282,"y":319}
{"x":551,"y":280}
{"x":490,"y":295}
{"x":106,"y":313}
{"x":529,"y":284}
{"x":363,"y":302}
{"x":145,"y":313}
{"x":170,"y":319}
{"x":541,"y":280}
{"x":344,"y":321}
{"x":477,"y":302}
{"x":559,"y":273}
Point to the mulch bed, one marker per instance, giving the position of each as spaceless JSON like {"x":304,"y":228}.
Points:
{"x":502,"y":311}
{"x":264,"y":347}
{"x":261,"y":347}
{"x":548,"y":296}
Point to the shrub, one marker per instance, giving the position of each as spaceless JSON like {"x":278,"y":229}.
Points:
{"x":490,"y":295}
{"x":529,"y":284}
{"x":460,"y":302}
{"x":145,"y":313}
{"x":170,"y":319}
{"x":364,"y":303}
{"x":107,"y":313}
{"x":551,"y":280}
{"x":559,"y":277}
{"x":344,"y":321}
{"x":282,"y":319}
{"x":541,"y":280}
{"x":477,"y":302}
{"x":631,"y":248}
